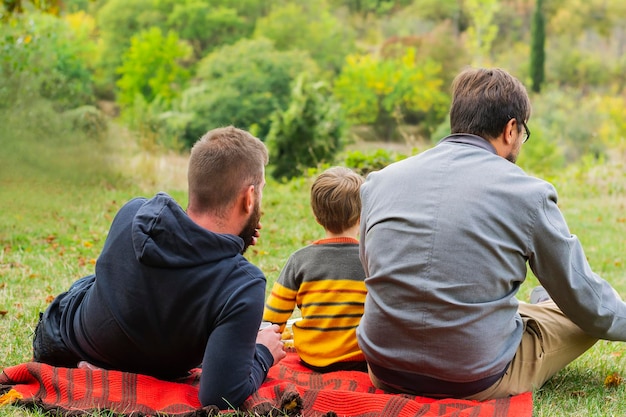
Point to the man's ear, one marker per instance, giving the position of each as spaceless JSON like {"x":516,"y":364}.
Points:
{"x":248,"y":199}
{"x":509,"y":128}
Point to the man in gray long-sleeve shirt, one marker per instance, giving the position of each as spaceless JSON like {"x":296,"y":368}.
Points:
{"x":445,"y":239}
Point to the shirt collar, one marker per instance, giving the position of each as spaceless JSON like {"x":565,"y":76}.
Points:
{"x":468,"y":139}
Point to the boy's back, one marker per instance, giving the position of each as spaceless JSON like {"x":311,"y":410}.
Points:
{"x":326,"y":279}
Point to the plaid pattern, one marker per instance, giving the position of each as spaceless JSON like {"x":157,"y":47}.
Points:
{"x":289,"y":387}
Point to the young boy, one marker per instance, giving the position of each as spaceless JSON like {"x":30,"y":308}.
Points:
{"x":325,"y":279}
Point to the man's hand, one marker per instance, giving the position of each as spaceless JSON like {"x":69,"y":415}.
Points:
{"x":270,"y":337}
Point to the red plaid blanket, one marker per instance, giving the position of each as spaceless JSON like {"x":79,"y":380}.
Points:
{"x":289,"y":387}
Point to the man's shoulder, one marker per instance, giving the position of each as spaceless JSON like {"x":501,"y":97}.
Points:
{"x":248,"y":268}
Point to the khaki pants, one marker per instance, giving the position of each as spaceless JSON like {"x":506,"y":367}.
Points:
{"x":550,"y":341}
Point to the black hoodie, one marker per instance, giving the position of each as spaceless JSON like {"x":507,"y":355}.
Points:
{"x":169,"y":295}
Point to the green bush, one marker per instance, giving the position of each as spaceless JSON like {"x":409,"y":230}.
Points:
{"x":309,"y":25}
{"x":541,"y":156}
{"x":574,"y":67}
{"x":152,"y":67}
{"x":308,"y":132}
{"x":88,"y":120}
{"x":205,"y":26}
{"x":569,"y":119}
{"x":242,"y":85}
{"x":44,"y":54}
{"x":382,"y":92}
{"x":118,"y":21}
{"x":364,"y":163}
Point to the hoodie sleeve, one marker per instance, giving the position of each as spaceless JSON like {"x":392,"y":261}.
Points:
{"x":234,"y":365}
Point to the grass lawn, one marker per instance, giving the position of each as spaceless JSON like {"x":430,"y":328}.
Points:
{"x":53,"y":225}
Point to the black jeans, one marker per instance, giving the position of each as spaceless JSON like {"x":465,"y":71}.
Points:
{"x":48,"y":344}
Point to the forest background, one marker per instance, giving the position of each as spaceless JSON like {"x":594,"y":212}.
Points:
{"x":100,"y":100}
{"x":309,"y":77}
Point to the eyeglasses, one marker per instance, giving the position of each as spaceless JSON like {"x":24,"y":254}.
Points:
{"x":525,"y":128}
{"x":527,"y":132}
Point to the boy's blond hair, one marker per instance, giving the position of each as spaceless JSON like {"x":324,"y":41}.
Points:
{"x":336,"y":199}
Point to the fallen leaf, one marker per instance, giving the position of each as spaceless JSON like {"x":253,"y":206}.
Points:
{"x":613,"y":380}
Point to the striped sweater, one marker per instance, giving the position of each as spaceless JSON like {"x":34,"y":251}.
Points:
{"x":325,"y":280}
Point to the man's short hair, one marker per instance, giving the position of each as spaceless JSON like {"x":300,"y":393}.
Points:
{"x":336,"y":200}
{"x":484,"y":100}
{"x":222,"y":163}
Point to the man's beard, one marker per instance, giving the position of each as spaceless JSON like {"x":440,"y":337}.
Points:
{"x":511,"y":157}
{"x":514,"y":154}
{"x":250,"y":229}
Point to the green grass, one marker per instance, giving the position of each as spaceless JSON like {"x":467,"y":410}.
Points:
{"x":52,"y":227}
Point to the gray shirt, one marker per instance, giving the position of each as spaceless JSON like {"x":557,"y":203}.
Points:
{"x":445,"y":239}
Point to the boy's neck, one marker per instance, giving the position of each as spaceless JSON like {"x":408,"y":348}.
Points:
{"x":352,"y":232}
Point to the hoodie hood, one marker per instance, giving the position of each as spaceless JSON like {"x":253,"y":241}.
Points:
{"x":165,"y":236}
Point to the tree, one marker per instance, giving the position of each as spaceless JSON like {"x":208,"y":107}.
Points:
{"x":306,"y":133}
{"x":10,"y":7}
{"x":438,"y":10}
{"x":365,"y":7}
{"x":205,"y":24}
{"x":308,"y":25}
{"x":206,"y":27}
{"x":242,"y":84}
{"x":573,"y":18}
{"x":482,"y":31}
{"x":150,"y":68}
{"x":537,"y":48}
{"x":118,"y":21}
{"x":380,"y":92}
{"x":439,"y":44}
{"x":48,"y":56}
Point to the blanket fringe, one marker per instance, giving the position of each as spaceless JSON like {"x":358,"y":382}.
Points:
{"x":10,"y":397}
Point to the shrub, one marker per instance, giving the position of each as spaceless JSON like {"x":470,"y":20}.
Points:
{"x":365,"y":163}
{"x":88,"y":120}
{"x":381,"y":92}
{"x":242,"y":85}
{"x":569,"y":119}
{"x":309,"y":25}
{"x":152,"y":68}
{"x":43,"y":53}
{"x":308,"y":132}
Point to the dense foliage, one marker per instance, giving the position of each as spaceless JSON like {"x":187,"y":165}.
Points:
{"x":308,"y":132}
{"x":175,"y":68}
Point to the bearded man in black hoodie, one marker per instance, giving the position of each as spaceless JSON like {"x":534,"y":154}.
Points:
{"x":172,"y":289}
